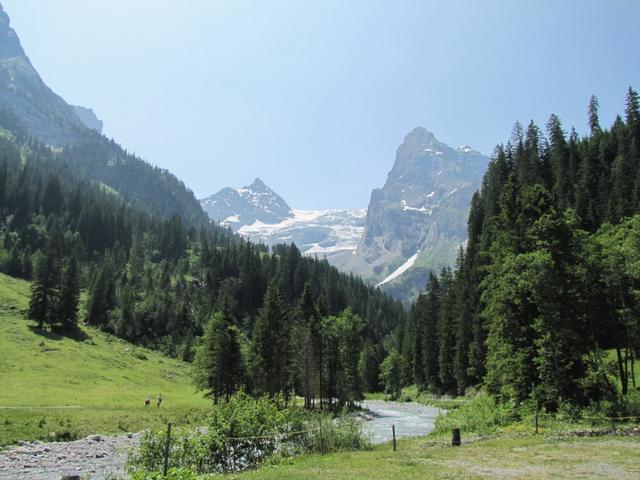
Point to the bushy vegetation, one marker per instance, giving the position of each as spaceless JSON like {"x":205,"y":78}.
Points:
{"x":480,"y":416}
{"x":244,"y":432}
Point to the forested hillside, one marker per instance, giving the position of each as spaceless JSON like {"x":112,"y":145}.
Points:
{"x":157,"y":280}
{"x":550,"y":276}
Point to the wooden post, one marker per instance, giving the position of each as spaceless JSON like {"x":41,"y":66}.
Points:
{"x":613,"y":426}
{"x":393,"y":432}
{"x":321,"y":437}
{"x":456,"y":440}
{"x":166,"y":450}
{"x":535,"y":422}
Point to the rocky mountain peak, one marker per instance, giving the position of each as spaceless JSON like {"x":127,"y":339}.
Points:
{"x":417,"y":221}
{"x":258,"y":185}
{"x":9,"y":42}
{"x":238,"y":207}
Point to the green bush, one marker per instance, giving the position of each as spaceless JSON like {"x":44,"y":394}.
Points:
{"x":244,"y":432}
{"x":480,"y":416}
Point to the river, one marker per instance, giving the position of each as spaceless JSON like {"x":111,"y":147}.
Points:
{"x":411,"y":419}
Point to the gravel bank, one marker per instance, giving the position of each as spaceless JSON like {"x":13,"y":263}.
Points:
{"x":96,"y":457}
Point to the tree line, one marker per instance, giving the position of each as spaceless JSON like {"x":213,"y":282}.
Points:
{"x":549,"y":278}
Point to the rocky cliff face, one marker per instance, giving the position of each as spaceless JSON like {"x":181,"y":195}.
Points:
{"x":88,"y":118}
{"x":417,"y":221}
{"x":43,"y":114}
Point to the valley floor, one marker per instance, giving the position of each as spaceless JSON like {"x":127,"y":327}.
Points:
{"x":513,"y":458}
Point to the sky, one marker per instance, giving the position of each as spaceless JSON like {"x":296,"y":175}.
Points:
{"x":314,"y":97}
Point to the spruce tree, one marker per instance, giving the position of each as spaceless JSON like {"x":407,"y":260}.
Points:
{"x":271,"y":345}
{"x":218,"y":361}
{"x":69,"y":295}
{"x":45,"y":289}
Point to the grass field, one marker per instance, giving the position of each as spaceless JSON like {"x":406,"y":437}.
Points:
{"x":104,"y":376}
{"x":515,"y":458}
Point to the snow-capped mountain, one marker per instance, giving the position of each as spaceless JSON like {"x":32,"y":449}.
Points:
{"x":238,"y":207}
{"x":258,"y":213}
{"x":418,"y":220}
{"x":414,"y":224}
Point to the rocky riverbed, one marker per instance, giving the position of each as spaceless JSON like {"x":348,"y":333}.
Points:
{"x":100,"y":457}
{"x":96,"y":457}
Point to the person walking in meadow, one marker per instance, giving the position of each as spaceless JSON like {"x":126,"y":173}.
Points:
{"x":147,"y":401}
{"x":159,"y":400}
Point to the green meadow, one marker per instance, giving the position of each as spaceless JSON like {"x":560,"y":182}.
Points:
{"x":105,"y":380}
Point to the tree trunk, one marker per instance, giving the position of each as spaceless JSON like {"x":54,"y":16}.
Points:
{"x":623,"y":379}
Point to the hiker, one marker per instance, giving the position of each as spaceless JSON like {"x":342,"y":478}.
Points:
{"x":147,"y":401}
{"x":159,"y":400}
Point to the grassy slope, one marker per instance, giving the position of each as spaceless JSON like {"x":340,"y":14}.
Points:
{"x":107,"y":377}
{"x":525,"y":457}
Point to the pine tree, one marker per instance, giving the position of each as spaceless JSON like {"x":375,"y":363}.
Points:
{"x":368,"y":368}
{"x":69,"y":295}
{"x":446,"y":332}
{"x":45,"y":289}
{"x":218,"y":362}
{"x":271,"y":345}
{"x":594,"y":120}
{"x":430,"y":341}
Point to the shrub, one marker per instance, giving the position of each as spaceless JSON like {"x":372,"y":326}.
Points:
{"x":244,"y":432}
{"x":481,"y":416}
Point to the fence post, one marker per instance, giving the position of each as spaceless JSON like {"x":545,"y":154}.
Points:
{"x":321,"y":436}
{"x":456,"y":440}
{"x":393,"y":432}
{"x":535,"y":422}
{"x":166,"y":450}
{"x":613,"y":426}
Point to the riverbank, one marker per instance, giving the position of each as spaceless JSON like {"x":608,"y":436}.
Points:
{"x":96,"y":457}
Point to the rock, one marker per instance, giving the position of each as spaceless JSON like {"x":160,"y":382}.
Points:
{"x":418,"y":220}
{"x":70,"y":477}
{"x":129,"y":435}
{"x":95,"y":438}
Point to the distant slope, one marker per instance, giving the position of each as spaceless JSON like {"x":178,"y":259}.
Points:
{"x":50,"y":119}
{"x":107,"y":377}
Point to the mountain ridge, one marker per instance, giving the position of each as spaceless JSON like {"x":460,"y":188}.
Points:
{"x":33,"y":108}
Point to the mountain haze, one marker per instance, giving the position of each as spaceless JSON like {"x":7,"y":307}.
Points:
{"x":33,"y":108}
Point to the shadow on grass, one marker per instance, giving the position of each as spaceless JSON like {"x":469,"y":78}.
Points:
{"x":58,"y":333}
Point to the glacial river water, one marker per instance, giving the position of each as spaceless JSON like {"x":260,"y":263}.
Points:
{"x":410,"y":419}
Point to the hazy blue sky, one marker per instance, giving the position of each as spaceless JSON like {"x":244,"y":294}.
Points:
{"x":315,"y":96}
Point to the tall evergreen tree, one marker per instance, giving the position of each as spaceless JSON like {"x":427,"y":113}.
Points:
{"x":271,"y":345}
{"x":45,"y":289}
{"x":218,"y":361}
{"x":69,"y":295}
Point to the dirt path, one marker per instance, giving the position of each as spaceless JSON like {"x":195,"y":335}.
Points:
{"x":96,"y":457}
